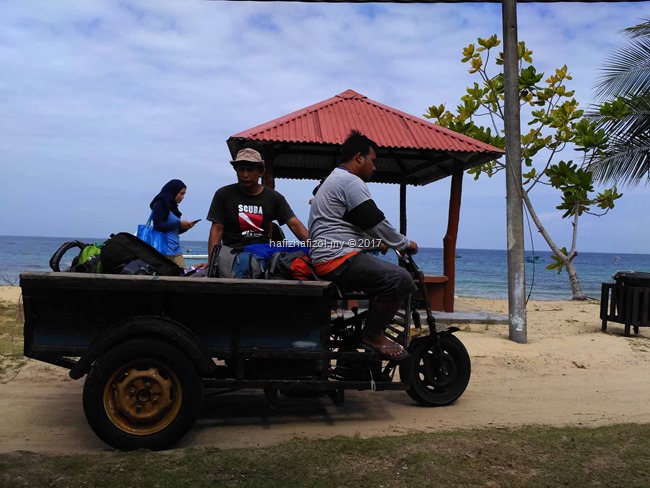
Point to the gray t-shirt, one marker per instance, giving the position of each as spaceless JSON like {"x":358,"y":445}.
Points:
{"x":344,"y":218}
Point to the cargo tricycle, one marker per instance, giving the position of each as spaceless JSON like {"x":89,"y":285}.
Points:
{"x":152,"y":347}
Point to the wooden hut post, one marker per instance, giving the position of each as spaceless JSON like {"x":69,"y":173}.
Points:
{"x":269,"y":177}
{"x":402,"y":208}
{"x":449,"y":241}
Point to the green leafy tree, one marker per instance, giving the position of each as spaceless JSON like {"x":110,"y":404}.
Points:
{"x":555,"y":123}
{"x":623,"y":111}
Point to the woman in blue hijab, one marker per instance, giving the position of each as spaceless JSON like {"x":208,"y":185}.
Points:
{"x":167,"y":218}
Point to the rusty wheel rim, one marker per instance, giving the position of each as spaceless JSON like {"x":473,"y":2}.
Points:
{"x":142,"y":400}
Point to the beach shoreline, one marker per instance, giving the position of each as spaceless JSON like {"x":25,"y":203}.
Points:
{"x":569,"y":373}
{"x":478,"y":272}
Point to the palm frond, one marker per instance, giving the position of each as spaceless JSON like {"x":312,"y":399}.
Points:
{"x":636,"y":125}
{"x":624,"y":165}
{"x":639,"y":30}
{"x":627,"y":71}
{"x":626,"y":77}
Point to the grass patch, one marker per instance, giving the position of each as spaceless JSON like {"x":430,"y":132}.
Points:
{"x":11,"y":338}
{"x":523,"y":457}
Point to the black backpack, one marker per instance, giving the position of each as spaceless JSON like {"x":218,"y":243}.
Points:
{"x":86,"y":261}
{"x":123,"y":248}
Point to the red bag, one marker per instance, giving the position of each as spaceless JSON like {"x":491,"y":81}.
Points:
{"x":301,"y":268}
{"x":288,"y":265}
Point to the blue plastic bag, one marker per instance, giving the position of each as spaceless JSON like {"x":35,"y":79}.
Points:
{"x":156,"y":239}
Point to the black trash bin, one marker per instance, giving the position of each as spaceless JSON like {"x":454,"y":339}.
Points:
{"x":627,"y":301}
{"x":632,"y":278}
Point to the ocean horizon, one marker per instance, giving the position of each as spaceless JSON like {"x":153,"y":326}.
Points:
{"x":480,"y":273}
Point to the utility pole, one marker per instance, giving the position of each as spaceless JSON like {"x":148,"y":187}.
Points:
{"x":514,"y":201}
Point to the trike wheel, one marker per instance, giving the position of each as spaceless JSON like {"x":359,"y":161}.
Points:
{"x":433,"y":382}
{"x":143,"y":394}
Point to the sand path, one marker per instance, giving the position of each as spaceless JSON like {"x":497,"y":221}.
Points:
{"x":569,"y":373}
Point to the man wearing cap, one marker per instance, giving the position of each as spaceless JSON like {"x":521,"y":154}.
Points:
{"x":242,"y":214}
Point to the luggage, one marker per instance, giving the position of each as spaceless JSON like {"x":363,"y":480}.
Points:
{"x":87,"y":261}
{"x":123,"y":248}
{"x":290,"y":265}
{"x":226,"y":262}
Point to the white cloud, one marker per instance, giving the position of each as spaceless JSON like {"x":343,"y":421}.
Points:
{"x":103,"y":102}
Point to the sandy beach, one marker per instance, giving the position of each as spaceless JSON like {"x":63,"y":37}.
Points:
{"x":569,"y":373}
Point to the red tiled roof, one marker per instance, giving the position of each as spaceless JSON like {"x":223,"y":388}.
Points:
{"x":296,"y":139}
{"x":330,"y":121}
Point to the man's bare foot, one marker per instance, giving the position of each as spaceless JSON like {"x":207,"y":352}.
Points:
{"x":385,"y":347}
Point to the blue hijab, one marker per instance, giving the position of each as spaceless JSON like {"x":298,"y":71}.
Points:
{"x":167,"y":197}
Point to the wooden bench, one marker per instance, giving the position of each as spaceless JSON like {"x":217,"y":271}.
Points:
{"x":435,"y":286}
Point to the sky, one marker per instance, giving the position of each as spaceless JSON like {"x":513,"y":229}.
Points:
{"x":102,"y":102}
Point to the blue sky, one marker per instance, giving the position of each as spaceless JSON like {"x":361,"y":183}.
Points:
{"x":102,"y":102}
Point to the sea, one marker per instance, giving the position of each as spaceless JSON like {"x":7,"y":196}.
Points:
{"x":479,"y":272}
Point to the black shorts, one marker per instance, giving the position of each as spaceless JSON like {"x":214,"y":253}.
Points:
{"x":373,"y":276}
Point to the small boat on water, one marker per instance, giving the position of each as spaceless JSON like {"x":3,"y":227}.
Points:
{"x":533,"y":259}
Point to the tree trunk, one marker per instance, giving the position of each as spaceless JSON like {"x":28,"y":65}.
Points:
{"x":573,"y":279}
{"x":567,"y":260}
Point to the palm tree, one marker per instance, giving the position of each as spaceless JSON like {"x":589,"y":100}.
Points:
{"x":624,"y":111}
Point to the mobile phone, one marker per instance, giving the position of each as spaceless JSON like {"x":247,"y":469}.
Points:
{"x":197,"y":220}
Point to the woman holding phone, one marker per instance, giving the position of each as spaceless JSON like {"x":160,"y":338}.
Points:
{"x":167,"y":218}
